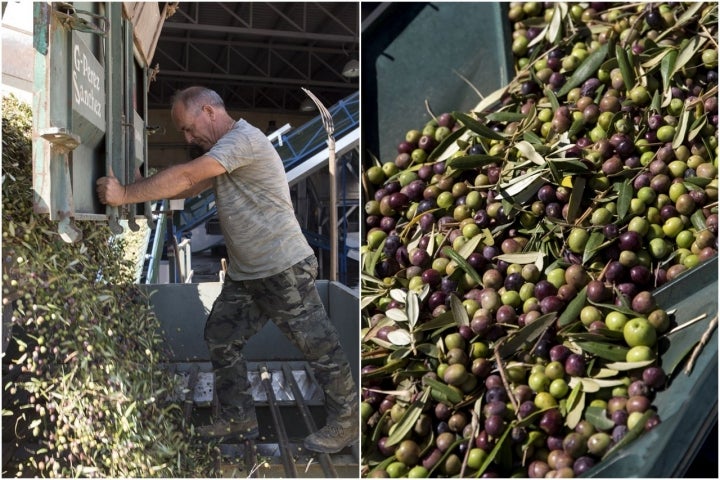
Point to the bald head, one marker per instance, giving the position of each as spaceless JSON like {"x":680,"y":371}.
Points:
{"x":199,"y":113}
{"x":193,"y":99}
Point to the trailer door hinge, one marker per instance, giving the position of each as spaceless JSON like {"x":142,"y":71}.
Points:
{"x":69,"y":17}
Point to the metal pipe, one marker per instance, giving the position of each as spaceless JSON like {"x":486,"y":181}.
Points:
{"x":324,"y":458}
{"x":114,"y":148}
{"x":145,"y":87}
{"x":129,"y":118}
{"x":285,"y":453}
{"x":250,"y":452}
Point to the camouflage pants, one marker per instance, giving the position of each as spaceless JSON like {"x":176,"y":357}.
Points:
{"x":290,"y":300}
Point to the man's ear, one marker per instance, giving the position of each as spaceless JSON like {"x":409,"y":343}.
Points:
{"x":209,"y":110}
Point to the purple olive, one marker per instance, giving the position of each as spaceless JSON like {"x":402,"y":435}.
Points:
{"x":575,"y":365}
{"x":630,"y":240}
{"x":583,"y":464}
{"x":551,"y":421}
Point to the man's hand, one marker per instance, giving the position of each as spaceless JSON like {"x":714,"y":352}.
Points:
{"x":110,"y":191}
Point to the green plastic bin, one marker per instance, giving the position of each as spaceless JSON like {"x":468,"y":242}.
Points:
{"x":688,"y":409}
{"x":404,"y":63}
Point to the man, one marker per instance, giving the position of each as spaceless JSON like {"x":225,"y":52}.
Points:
{"x":271,"y":272}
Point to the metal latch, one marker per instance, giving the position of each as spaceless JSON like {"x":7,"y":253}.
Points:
{"x":68,"y":15}
{"x":60,"y":137}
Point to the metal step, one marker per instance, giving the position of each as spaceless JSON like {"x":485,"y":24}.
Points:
{"x":289,"y":405}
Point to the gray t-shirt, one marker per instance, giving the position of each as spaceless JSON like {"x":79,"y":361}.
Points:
{"x":262,"y":234}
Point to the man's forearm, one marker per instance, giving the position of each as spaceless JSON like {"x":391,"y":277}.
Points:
{"x":196,"y":189}
{"x":172,"y":182}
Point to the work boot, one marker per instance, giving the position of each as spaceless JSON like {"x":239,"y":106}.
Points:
{"x":333,"y":437}
{"x":244,"y":429}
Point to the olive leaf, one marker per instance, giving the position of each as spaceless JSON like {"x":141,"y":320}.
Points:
{"x":469,"y":162}
{"x":667,"y":66}
{"x":617,"y":308}
{"x":575,"y":406}
{"x":656,"y":56}
{"x":374,"y":329}
{"x":400,"y":337}
{"x":568,"y":166}
{"x":413,"y":308}
{"x":671,"y":362}
{"x":553,"y":98}
{"x":382,"y":343}
{"x":407,"y":421}
{"x":368,"y":300}
{"x":470,"y":246}
{"x":396,"y":314}
{"x":528,"y":184}
{"x":466,"y":267}
{"x":608,"y":351}
{"x":539,"y":37}
{"x":490,"y":99}
{"x":528,"y":151}
{"x":624,"y":366}
{"x":597,"y":335}
{"x":687,"y":16}
{"x":681,"y":129}
{"x":655,"y":102}
{"x":448,"y":146}
{"x":494,"y":453}
{"x":605,"y":383}
{"x":399,"y":353}
{"x":525,"y":336}
{"x":398,"y":294}
{"x":585,"y":70}
{"x":560,"y":13}
{"x":443,"y":321}
{"x":532,"y":138}
{"x":697,"y":127}
{"x":572,"y":311}
{"x":628,"y":73}
{"x":605,"y":372}
{"x":442,"y":391}
{"x":632,"y":434}
{"x":576,"y":195}
{"x":477,"y":127}
{"x":589,"y":385}
{"x":505,"y":117}
{"x":378,"y":432}
{"x":595,"y":242}
{"x":429,"y":350}
{"x":444,"y":456}
{"x":371,"y":260}
{"x":625,"y":195}
{"x":687,"y":53}
{"x":381,"y":372}
{"x":698,"y":220}
{"x":523,"y":258}
{"x":697,"y":183}
{"x":597,"y":416}
{"x":458,"y":310}
{"x":576,"y":126}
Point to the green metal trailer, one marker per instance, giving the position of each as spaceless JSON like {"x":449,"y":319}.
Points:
{"x":289,"y":403}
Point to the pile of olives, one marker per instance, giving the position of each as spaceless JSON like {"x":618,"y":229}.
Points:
{"x":85,"y":384}
{"x":511,"y":252}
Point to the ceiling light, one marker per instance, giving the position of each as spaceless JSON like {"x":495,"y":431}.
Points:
{"x":307,"y":105}
{"x":351,"y":69}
